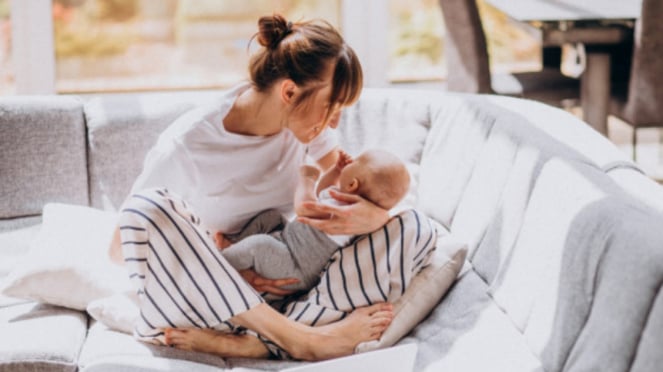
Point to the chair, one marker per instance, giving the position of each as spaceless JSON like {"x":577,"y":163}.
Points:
{"x":469,"y":63}
{"x":640,"y":102}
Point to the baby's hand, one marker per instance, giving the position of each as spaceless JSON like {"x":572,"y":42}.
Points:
{"x":221,"y":241}
{"x":343,"y":159}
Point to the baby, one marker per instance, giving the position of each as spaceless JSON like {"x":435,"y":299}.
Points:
{"x":276,"y":248}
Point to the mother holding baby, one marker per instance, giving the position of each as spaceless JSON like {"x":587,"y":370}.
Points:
{"x":214,"y":169}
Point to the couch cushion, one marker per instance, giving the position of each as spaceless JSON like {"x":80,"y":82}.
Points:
{"x":40,"y":337}
{"x":547,"y":230}
{"x":636,"y":184}
{"x":383,"y":119}
{"x":469,"y":332}
{"x":14,"y":246}
{"x":109,"y":350}
{"x":121,"y":129}
{"x":50,"y":163}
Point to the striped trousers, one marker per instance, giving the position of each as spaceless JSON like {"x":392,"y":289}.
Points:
{"x":183,"y":281}
{"x":181,"y":278}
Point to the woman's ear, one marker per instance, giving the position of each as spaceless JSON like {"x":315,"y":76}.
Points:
{"x":288,"y":91}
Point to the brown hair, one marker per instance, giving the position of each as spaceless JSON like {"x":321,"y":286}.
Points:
{"x":301,"y":51}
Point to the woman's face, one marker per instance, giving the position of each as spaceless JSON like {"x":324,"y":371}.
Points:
{"x":311,"y":120}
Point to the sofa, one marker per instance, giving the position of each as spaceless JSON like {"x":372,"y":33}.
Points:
{"x":565,"y":234}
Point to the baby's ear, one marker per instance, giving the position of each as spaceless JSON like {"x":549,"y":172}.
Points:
{"x":353,"y":186}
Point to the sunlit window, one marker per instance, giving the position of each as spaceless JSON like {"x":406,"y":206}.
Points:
{"x":125,"y":45}
{"x":417,"y":41}
{"x":7,"y":84}
{"x":510,"y":47}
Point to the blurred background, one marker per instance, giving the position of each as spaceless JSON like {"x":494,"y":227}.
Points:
{"x":89,"y":47}
{"x":138,"y":45}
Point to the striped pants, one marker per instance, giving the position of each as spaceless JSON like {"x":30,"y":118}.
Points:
{"x":181,"y":278}
{"x":183,"y":281}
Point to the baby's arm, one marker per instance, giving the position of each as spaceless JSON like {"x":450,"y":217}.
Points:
{"x":305,"y":191}
{"x":330,"y":177}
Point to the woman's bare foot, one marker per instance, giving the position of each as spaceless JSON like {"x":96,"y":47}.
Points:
{"x":340,"y":338}
{"x":216,"y":342}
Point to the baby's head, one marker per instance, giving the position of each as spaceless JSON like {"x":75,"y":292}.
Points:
{"x":378,"y":176}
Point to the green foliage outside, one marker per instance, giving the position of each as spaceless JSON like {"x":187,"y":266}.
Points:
{"x":91,"y":44}
{"x":81,"y":27}
{"x":419,"y":35}
{"x":4,"y":9}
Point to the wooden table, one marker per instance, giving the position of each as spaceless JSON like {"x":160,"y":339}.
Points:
{"x":596,"y":24}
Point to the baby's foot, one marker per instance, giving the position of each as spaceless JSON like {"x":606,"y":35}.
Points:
{"x":221,"y":241}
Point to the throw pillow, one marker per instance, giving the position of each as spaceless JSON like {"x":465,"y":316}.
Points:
{"x":424,"y":292}
{"x":68,"y":263}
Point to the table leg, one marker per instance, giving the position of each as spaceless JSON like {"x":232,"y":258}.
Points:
{"x":551,"y":56}
{"x":595,"y":88}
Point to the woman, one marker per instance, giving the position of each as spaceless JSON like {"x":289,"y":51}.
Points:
{"x":229,"y":162}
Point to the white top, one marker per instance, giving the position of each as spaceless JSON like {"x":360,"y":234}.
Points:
{"x":228,"y":177}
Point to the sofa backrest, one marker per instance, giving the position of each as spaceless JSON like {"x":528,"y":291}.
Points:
{"x":43,"y":156}
{"x":560,"y":231}
{"x":565,"y":252}
{"x":572,"y":257}
{"x":121,"y":129}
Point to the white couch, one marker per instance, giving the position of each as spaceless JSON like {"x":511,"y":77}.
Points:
{"x":565,"y":234}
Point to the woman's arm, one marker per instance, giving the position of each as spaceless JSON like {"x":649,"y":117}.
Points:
{"x":359,"y":216}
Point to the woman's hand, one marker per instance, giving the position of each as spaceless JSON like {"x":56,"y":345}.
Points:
{"x":272,"y":286}
{"x":358,"y":217}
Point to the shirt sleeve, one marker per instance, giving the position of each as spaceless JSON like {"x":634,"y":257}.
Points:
{"x":322,"y":144}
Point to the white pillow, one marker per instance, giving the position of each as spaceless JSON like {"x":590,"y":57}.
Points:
{"x":423,"y":294}
{"x":68,"y":263}
{"x":117,"y":312}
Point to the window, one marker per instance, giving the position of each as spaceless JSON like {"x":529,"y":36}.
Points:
{"x":417,"y":41}
{"x":6,"y":69}
{"x":124,"y":45}
{"x":80,"y":46}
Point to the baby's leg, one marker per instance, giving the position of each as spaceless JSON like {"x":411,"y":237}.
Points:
{"x":215,"y":342}
{"x":268,"y":257}
{"x":264,"y":222}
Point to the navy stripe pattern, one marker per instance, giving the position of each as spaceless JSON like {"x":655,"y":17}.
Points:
{"x":376,"y":268}
{"x":180,"y":277}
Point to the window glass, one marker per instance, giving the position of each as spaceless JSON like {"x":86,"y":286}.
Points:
{"x":7,"y":85}
{"x":126,"y":45}
{"x":511,"y":48}
{"x":417,"y":41}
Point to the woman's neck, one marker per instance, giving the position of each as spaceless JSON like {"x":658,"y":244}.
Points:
{"x":254,"y":114}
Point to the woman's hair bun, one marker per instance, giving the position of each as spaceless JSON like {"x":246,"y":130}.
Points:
{"x":273,"y":29}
